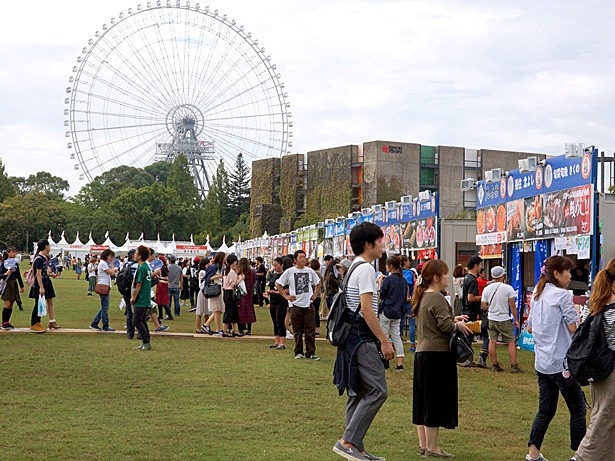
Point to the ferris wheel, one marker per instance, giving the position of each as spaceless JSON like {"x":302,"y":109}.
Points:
{"x":168,"y":79}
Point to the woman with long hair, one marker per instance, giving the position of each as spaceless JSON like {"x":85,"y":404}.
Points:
{"x":105,"y":271}
{"x":458,"y":276}
{"x":9,"y":272}
{"x":278,"y":306}
{"x":202,"y":310}
{"x":553,"y":321}
{"x":247,"y":316}
{"x":42,"y":287}
{"x":213,"y":274}
{"x":599,"y":441}
{"x":434,"y":399}
{"x":231,"y":308}
{"x":162,"y":298}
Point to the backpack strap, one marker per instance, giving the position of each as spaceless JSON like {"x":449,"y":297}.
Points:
{"x":347,"y":279}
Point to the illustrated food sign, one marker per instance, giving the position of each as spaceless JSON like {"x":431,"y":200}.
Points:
{"x":491,"y":213}
{"x":556,"y":200}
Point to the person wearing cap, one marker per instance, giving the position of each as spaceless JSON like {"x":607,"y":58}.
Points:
{"x":343,"y":267}
{"x":499,"y":299}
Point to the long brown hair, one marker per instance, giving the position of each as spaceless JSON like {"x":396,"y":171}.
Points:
{"x":552,"y":264}
{"x":243,"y":267}
{"x":432,"y":268}
{"x":602,"y":288}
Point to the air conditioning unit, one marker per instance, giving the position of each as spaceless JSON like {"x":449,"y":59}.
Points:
{"x":366,"y":210}
{"x":574,"y":150}
{"x":377,"y":208}
{"x":489,"y":176}
{"x":468,"y":185}
{"x":532,"y":163}
{"x":329,"y":221}
{"x":424,"y":195}
{"x":497,"y":174}
{"x":406,"y":200}
{"x":390,"y":205}
{"x":524,"y":165}
{"x":321,"y":225}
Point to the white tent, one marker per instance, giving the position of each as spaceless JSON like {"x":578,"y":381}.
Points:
{"x":108,"y":243}
{"x":78,"y":249}
{"x":128,"y":245}
{"x":62,"y":243}
{"x":90,"y":241}
{"x":223,"y":248}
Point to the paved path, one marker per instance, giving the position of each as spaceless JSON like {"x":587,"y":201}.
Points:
{"x":80,"y":331}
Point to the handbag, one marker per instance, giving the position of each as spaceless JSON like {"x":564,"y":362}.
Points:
{"x":460,"y":347}
{"x":212,"y":290}
{"x":102,"y":290}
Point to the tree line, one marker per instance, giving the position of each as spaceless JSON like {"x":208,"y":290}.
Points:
{"x":159,"y":199}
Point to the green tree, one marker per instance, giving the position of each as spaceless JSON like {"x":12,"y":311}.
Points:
{"x":216,"y":214}
{"x":43,"y":182}
{"x":239,"y":189}
{"x":7,"y":189}
{"x":181,"y":181}
{"x":159,"y":171}
{"x":27,"y":218}
{"x":105,"y":187}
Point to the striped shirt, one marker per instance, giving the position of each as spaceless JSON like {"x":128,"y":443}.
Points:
{"x":608,"y":322}
{"x":362,"y":280}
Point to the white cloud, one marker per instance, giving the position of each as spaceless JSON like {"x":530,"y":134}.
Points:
{"x":522,"y":76}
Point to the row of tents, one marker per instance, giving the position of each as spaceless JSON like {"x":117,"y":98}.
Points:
{"x":78,"y":249}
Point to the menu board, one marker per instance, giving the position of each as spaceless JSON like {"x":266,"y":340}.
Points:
{"x":555,"y":200}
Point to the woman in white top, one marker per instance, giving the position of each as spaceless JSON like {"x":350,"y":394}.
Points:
{"x":202,"y":312}
{"x":105,"y":271}
{"x":92,"y":268}
{"x":553,"y":321}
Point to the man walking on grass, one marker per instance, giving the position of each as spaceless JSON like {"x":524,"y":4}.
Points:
{"x":303,"y":288}
{"x":472,"y":307}
{"x":176,"y":283}
{"x":360,"y":364}
{"x":499,"y":299}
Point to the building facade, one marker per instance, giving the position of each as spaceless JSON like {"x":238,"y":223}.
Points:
{"x":334,"y":182}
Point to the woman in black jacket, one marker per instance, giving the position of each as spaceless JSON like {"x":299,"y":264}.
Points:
{"x":393,"y":295}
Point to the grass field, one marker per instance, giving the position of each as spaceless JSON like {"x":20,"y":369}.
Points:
{"x":92,"y":397}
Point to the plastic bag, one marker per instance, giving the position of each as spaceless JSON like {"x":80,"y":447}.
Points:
{"x":42,"y":306}
{"x":526,"y":340}
{"x":122,"y":304}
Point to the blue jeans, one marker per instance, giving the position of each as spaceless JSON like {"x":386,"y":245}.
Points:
{"x":412,"y":330}
{"x":103,"y":313}
{"x":174,"y":295}
{"x":549,"y":388}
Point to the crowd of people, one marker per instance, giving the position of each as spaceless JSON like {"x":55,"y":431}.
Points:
{"x":223,"y":291}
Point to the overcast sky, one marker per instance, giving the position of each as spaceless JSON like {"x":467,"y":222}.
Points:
{"x":522,"y":75}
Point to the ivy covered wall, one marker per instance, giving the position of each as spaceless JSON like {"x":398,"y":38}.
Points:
{"x":265,"y":197}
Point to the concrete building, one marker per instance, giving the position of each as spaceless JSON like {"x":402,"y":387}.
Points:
{"x":336,"y":181}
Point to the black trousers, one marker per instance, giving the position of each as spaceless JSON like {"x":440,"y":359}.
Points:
{"x":549,"y":388}
{"x":139,"y":316}
{"x":194,"y":291}
{"x":278,"y":316}
{"x":130,"y":327}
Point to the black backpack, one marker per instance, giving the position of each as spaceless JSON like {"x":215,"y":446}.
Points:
{"x":340,"y":319}
{"x":123,"y":279}
{"x":589,"y":357}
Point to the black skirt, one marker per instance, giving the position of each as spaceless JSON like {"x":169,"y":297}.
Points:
{"x":49,"y":291}
{"x":434,"y":397}
{"x":231,"y":308}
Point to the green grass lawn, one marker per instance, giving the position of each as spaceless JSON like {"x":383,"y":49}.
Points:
{"x":93,"y":397}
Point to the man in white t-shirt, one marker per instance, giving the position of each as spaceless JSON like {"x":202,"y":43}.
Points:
{"x":359,"y":367}
{"x":303,"y":288}
{"x":499,"y":299}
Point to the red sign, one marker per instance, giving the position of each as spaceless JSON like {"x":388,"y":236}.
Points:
{"x":98,"y":248}
{"x":192,"y":247}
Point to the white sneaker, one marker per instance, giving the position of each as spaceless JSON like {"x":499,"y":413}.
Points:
{"x":289,"y":335}
{"x":299,"y":356}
